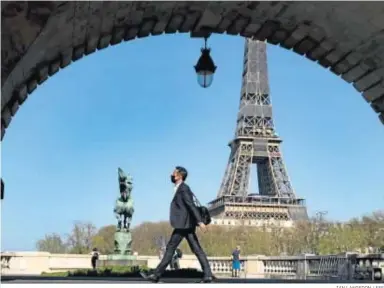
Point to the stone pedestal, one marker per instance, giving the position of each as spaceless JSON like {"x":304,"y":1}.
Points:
{"x":123,"y":241}
{"x":120,"y":260}
{"x":123,"y":253}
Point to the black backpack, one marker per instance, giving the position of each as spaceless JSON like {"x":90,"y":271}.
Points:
{"x":204,"y":212}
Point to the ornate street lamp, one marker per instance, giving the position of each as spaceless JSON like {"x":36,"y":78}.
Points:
{"x":205,"y":67}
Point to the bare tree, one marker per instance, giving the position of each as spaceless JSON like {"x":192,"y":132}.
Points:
{"x":81,"y":237}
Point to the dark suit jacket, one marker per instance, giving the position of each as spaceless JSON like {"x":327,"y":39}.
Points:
{"x":184,"y":213}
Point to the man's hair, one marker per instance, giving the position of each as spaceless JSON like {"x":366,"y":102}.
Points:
{"x":183,"y":172}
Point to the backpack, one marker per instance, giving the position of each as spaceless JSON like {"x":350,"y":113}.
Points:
{"x":203,"y":211}
{"x":205,"y":216}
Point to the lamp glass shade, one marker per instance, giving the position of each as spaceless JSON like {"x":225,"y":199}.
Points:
{"x":205,"y":78}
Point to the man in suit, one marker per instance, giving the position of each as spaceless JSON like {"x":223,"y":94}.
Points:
{"x":184,"y":217}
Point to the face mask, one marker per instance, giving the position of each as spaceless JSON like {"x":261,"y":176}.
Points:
{"x":173,"y":180}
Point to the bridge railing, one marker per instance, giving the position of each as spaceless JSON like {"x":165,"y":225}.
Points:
{"x":222,"y":266}
{"x":290,"y":267}
{"x":330,"y":266}
{"x":344,"y":266}
{"x":286,"y":267}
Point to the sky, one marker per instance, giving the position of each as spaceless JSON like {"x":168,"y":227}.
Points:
{"x":138,"y":106}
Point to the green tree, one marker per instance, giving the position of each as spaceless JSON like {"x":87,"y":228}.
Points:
{"x":144,"y":235}
{"x":375,"y":229}
{"x":313,"y":236}
{"x":52,"y":243}
{"x":104,"y":239}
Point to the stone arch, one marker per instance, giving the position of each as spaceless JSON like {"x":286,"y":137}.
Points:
{"x":40,"y":38}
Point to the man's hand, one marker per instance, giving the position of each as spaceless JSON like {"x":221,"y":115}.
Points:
{"x":202,"y":227}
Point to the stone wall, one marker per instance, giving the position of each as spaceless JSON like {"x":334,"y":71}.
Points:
{"x":34,"y":263}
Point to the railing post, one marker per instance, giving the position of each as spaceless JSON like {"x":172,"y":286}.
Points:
{"x":351,"y":265}
{"x":302,"y":268}
{"x":305,"y":267}
{"x":245,"y":267}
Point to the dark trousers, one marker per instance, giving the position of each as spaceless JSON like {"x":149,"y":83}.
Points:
{"x":177,"y":236}
{"x":93,"y":261}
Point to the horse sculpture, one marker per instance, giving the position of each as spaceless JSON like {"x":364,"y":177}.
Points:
{"x":124,"y":204}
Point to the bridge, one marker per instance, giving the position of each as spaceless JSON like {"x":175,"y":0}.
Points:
{"x":41,"y":38}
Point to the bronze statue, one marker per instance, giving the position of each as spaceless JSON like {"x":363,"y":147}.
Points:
{"x":123,"y":212}
{"x":124,"y":204}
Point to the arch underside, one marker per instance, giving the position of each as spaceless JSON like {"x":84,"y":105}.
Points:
{"x":40,"y":38}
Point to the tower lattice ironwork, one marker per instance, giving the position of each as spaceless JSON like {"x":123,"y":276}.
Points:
{"x":256,"y":142}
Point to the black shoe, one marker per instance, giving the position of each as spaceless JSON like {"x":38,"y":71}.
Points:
{"x":206,"y":280}
{"x":151,"y":277}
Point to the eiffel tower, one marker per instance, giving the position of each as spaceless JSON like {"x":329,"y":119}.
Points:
{"x":256,"y":142}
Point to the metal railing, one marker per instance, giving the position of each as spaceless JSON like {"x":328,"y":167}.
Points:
{"x":308,"y":267}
